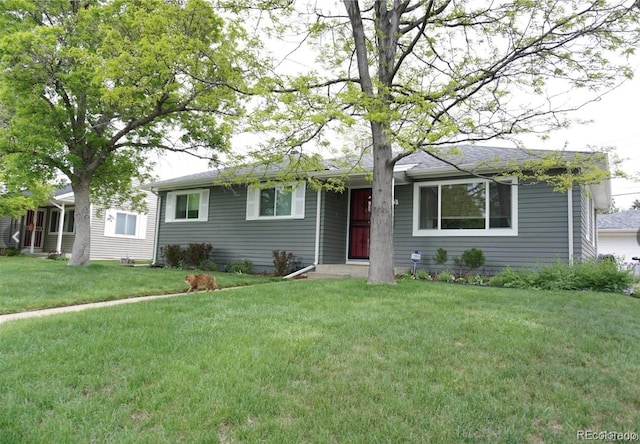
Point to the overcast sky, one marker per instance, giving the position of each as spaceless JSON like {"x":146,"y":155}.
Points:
{"x":615,"y":123}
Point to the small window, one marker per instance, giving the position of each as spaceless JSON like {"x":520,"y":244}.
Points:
{"x":68,"y":223}
{"x":120,"y":223}
{"x":126,"y":224}
{"x":275,"y":201}
{"x":279,"y":202}
{"x":187,"y":206}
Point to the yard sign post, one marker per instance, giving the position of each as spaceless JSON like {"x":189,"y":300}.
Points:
{"x":415,"y":258}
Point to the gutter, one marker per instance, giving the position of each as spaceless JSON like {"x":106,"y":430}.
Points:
{"x":570,"y":223}
{"x":156,"y":229}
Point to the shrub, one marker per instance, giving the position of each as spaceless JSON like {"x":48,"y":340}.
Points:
{"x":173,"y":255}
{"x":603,"y":276}
{"x":475,"y":279}
{"x":13,"y":252}
{"x":510,"y":278}
{"x":242,"y":266}
{"x":197,"y":255}
{"x":440,"y":258}
{"x":422,"y":275}
{"x":54,"y":255}
{"x":281,"y":261}
{"x":458,"y":263}
{"x":473,"y":258}
{"x":593,"y":275}
{"x":446,"y":276}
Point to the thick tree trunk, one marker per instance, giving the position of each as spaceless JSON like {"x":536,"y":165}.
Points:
{"x":381,"y":230}
{"x":381,"y":257}
{"x":81,"y":251}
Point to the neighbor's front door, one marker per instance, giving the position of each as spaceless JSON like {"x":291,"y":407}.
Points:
{"x":34,"y":229}
{"x":359,"y":223}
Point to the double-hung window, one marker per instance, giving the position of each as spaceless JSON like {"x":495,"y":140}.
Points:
{"x":283,"y":201}
{"x":68,"y":224}
{"x":187,"y":206}
{"x":469,"y":207}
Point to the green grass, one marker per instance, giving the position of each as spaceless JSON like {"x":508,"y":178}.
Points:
{"x":28,"y":283}
{"x":327,"y":361}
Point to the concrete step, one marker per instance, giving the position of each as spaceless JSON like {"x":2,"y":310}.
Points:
{"x":341,"y":271}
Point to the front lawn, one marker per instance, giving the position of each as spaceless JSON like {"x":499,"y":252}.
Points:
{"x":28,"y":283}
{"x":327,"y":361}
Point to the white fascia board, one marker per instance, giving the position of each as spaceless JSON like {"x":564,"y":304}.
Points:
{"x":620,"y":231}
{"x":602,"y":194}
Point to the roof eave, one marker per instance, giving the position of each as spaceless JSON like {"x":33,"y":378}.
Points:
{"x":601,"y":192}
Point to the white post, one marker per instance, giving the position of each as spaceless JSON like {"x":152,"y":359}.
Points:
{"x":60,"y":225}
{"x":33,"y":232}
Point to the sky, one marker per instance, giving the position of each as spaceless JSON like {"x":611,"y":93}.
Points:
{"x":614,"y":123}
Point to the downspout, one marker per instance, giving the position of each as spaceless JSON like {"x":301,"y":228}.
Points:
{"x":317,"y":246}
{"x":570,"y":223}
{"x":156,"y":229}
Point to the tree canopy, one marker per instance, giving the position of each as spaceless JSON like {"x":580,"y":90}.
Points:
{"x":405,"y":75}
{"x":89,"y":88}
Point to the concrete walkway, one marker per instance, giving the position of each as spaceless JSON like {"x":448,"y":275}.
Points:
{"x":72,"y":308}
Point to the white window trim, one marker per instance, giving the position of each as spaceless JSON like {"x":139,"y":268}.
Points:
{"x":110,"y":224}
{"x":64,"y":233}
{"x":170,"y":207}
{"x":487,"y":231}
{"x":297,"y":202}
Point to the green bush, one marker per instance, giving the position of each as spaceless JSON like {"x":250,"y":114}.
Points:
{"x":422,"y":275}
{"x":473,"y":258}
{"x":605,"y":276}
{"x":446,"y":276}
{"x":13,"y":252}
{"x":441,"y":257}
{"x":510,"y":278}
{"x":242,"y":266}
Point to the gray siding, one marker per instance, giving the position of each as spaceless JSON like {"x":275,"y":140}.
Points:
{"x":235,"y":238}
{"x":5,"y":232}
{"x":542,"y":233}
{"x":333,"y":227}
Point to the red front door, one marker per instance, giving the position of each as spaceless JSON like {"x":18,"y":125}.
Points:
{"x":359,"y":224}
{"x":33,"y":229}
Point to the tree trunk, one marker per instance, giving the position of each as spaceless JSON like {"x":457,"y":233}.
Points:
{"x":381,"y":229}
{"x":381,"y":257}
{"x":81,"y":251}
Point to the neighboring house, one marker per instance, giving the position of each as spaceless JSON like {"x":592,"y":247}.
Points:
{"x":436,"y":206}
{"x":619,"y":235}
{"x":115,"y":233}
